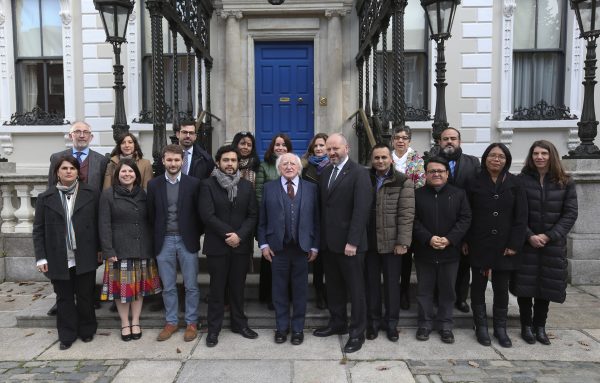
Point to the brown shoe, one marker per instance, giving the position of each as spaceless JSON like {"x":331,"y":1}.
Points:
{"x":166,"y":333}
{"x":191,"y":332}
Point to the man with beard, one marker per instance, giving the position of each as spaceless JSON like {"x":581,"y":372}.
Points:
{"x":462,"y":167}
{"x":229,"y":213}
{"x":196,"y":161}
{"x":173,"y":212}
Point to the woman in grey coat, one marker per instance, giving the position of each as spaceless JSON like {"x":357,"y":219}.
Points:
{"x":130,"y":270}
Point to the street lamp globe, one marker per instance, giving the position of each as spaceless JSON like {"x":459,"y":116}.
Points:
{"x":115,"y":16}
{"x":440,"y":15}
{"x":588,"y":17}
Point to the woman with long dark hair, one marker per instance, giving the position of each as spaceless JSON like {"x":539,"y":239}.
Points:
{"x":66,"y":245}
{"x":128,"y":147}
{"x":494,"y":241}
{"x":249,"y":161}
{"x":552,"y":207}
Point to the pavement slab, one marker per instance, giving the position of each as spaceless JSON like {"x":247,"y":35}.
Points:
{"x":319,"y":371}
{"x":593,"y":332}
{"x":567,"y":345}
{"x":149,"y":371}
{"x":110,"y":346}
{"x":381,"y":372}
{"x":25,"y":343}
{"x":594,"y":290}
{"x":234,"y":346}
{"x":236,"y":371}
{"x":408,"y":347}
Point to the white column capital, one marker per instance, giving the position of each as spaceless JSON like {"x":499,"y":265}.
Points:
{"x":329,"y":13}
{"x":509,"y":8}
{"x":225,"y":14}
{"x":65,"y":12}
{"x":2,"y":17}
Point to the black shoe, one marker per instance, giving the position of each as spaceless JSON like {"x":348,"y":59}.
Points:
{"x":328,"y":331}
{"x":527,"y":334}
{"x":65,"y":345}
{"x":462,"y":306}
{"x":354,"y":344}
{"x":447,"y":336}
{"x":392,"y":334}
{"x":540,"y":335}
{"x":128,"y":337}
{"x":87,"y":339}
{"x":423,"y":333}
{"x":246,"y":332}
{"x":297,"y":338}
{"x":481,"y":325}
{"x":136,"y":335}
{"x":52,"y":312}
{"x":372,"y":333}
{"x":280,"y":336}
{"x":404,"y":301}
{"x":212,"y":339}
{"x":500,"y":318}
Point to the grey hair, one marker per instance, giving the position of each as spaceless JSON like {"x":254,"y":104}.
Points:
{"x":72,"y":129}
{"x":296,"y":158}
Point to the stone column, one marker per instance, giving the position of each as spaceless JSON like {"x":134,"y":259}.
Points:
{"x":233,"y":74}
{"x":335,"y":101}
{"x":68,"y":63}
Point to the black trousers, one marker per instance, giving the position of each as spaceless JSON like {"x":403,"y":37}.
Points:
{"x":391,"y":266}
{"x":500,"y":280}
{"x":75,"y":314}
{"x":318,"y":274}
{"x":463,"y":277}
{"x":229,"y":271}
{"x":406,"y":270}
{"x":345,"y":277}
{"x":432,"y":276}
{"x":540,"y":311}
{"x":265,"y":281}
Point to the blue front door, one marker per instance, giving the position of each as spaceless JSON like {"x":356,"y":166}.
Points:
{"x":284,"y":93}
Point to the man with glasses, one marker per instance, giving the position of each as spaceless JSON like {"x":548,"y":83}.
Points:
{"x":442,"y":218}
{"x":196,"y":161}
{"x":462,"y":167}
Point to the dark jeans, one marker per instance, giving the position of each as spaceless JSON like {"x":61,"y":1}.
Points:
{"x":500,"y":280}
{"x":345,"y":277}
{"x":75,"y":304}
{"x":390,"y":265}
{"x":290,"y":266}
{"x":540,"y":311}
{"x":443,"y":277}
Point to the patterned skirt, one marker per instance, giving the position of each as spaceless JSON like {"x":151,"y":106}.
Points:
{"x":130,"y":279}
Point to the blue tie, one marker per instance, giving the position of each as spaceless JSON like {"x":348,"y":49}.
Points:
{"x":452,"y":166}
{"x":78,"y":156}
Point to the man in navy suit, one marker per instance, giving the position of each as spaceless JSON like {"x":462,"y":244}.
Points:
{"x":173,"y":212}
{"x":346,"y":197}
{"x":288,"y":236}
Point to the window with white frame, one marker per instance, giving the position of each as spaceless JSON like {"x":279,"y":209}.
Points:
{"x":539,"y":53}
{"x":38,"y":56}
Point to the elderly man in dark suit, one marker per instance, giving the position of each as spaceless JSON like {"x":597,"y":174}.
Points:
{"x":346,"y":195}
{"x":173,"y":212}
{"x":229,"y":213}
{"x":288,"y":236}
{"x":196,"y":161}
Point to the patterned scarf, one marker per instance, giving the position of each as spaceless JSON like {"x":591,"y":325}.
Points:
{"x":319,"y":162}
{"x":68,"y":194}
{"x":228,"y":182}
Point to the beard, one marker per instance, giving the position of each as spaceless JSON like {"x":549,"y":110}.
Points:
{"x":449,"y":150}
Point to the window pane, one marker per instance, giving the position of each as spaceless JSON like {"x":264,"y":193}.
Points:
{"x":550,"y":16}
{"x":31,"y":85}
{"x":414,"y":27}
{"x":415,"y":80}
{"x":56,"y":97}
{"x":52,"y":28}
{"x":537,"y":77}
{"x":524,"y":25}
{"x":27,"y":14}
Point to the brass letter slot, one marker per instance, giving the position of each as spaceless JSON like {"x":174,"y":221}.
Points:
{"x":284,"y":99}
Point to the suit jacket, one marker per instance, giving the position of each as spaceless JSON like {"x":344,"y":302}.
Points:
{"x":467,"y":167}
{"x":221,"y":216}
{"x":345,"y":208}
{"x":190,"y":226}
{"x":49,"y":231}
{"x":202,"y":163}
{"x":96,"y":168}
{"x":271,"y":221}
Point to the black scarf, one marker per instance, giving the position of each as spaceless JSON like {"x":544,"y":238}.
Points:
{"x":124,"y":192}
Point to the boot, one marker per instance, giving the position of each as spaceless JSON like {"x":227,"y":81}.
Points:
{"x":500,"y":317}
{"x":540,"y":335}
{"x":481,"y":325}
{"x":527,"y":334}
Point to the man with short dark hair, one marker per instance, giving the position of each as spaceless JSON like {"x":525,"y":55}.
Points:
{"x":229,"y":213}
{"x":196,"y":161}
{"x":173,"y":212}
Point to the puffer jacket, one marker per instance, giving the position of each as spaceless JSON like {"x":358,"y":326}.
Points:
{"x":266,"y":172}
{"x":552,"y":211}
{"x":392,"y":213}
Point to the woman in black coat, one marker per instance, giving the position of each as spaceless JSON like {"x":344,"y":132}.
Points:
{"x":542,"y":276}
{"x":496,"y":236}
{"x":130,"y":271}
{"x":65,"y":241}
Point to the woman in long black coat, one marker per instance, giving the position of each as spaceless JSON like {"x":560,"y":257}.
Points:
{"x":552,"y":203}
{"x":66,"y":245}
{"x":496,"y":236}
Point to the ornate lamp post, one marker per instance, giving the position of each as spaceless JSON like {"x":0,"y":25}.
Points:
{"x":440,"y":15}
{"x":588,"y":18}
{"x":115,"y":16}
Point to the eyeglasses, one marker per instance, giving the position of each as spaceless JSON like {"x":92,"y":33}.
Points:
{"x":187,"y":133}
{"x":436,"y":171}
{"x":401,"y":138}
{"x":499,"y":157}
{"x":81,"y":132}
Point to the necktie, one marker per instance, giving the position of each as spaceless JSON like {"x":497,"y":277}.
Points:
{"x":333,"y":176}
{"x":185,"y":162}
{"x":290,"y":189}
{"x":452,"y":166}
{"x":78,"y":156}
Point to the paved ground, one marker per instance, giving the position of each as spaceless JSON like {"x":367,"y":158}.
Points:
{"x":32,"y":354}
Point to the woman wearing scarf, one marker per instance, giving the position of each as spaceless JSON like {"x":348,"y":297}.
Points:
{"x":66,"y":245}
{"x":249,"y":161}
{"x":130,"y":271}
{"x":495,"y":239}
{"x":128,"y":147}
{"x":313,"y":162}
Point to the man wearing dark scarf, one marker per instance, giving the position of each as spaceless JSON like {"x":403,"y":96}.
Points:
{"x":462,"y":168}
{"x":229,"y":212}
